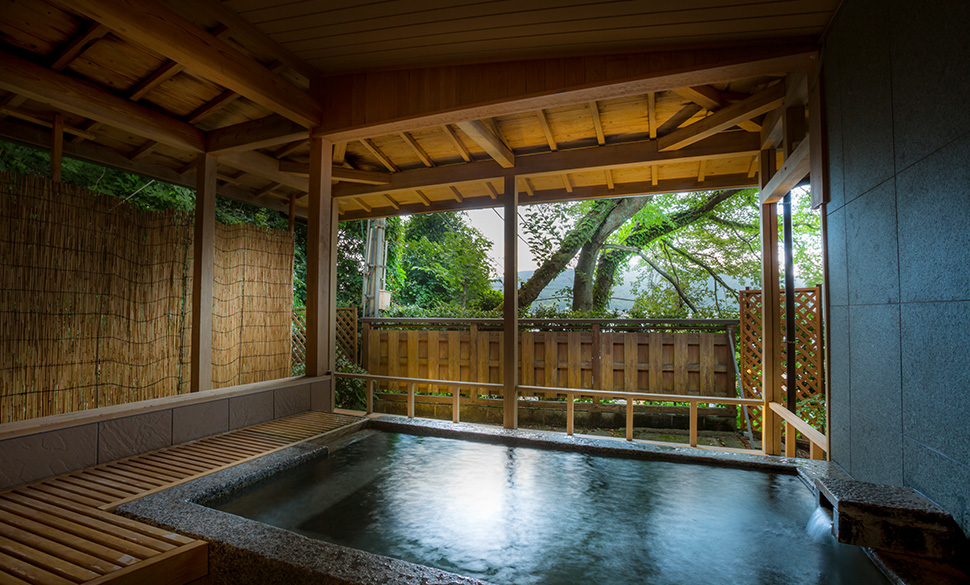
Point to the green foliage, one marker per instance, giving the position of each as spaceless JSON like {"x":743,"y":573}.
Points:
{"x":351,"y":393}
{"x":443,"y":261}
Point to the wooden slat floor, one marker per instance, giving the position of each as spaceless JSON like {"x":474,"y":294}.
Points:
{"x":60,"y":531}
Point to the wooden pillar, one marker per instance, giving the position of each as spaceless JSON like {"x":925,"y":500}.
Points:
{"x":770,"y":314}
{"x":203,"y":264}
{"x":292,"y":215}
{"x":57,"y":147}
{"x":321,"y":284}
{"x":511,"y":304}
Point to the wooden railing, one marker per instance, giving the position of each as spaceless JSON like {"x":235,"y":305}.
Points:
{"x":818,"y":443}
{"x":571,"y":394}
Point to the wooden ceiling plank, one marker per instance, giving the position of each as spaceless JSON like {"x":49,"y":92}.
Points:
{"x":380,"y":156}
{"x":420,"y":152}
{"x":255,"y":134}
{"x":544,"y":122}
{"x":171,"y":35}
{"x":78,"y":45}
{"x":652,"y":114}
{"x":288,"y":149}
{"x":616,"y":156}
{"x":486,"y":137}
{"x":424,"y":198}
{"x":100,"y":155}
{"x":682,"y":115}
{"x":755,"y":105}
{"x":594,"y":111}
{"x":465,"y":155}
{"x":88,"y":100}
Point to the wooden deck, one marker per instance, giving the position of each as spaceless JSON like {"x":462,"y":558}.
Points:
{"x":60,"y":531}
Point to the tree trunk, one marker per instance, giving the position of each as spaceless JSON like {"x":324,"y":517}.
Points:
{"x":610,"y":261}
{"x":574,"y":240}
{"x":585,"y":264}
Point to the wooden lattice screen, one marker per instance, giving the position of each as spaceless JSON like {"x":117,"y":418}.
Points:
{"x":808,"y":348}
{"x":346,"y":335}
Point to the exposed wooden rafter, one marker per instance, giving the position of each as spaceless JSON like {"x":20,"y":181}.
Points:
{"x":339,"y":173}
{"x":255,"y":134}
{"x":594,"y":112}
{"x":462,"y":151}
{"x":380,"y":156}
{"x":171,"y":35}
{"x":486,"y":137}
{"x":652,"y":113}
{"x":416,"y":148}
{"x":78,"y":45}
{"x":711,"y":99}
{"x":544,"y":122}
{"x":755,"y":105}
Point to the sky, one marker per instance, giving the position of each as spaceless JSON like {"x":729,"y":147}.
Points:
{"x":491,"y":222}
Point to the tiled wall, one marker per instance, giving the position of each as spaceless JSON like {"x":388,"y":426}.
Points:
{"x":895,"y":74}
{"x":99,"y":437}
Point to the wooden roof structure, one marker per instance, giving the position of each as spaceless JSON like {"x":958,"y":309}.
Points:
{"x":428,"y":107}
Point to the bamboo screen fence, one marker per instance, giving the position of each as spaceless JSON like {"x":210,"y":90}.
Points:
{"x":808,"y":352}
{"x":95,"y":301}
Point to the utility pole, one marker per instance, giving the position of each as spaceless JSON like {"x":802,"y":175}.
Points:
{"x":375,"y":253}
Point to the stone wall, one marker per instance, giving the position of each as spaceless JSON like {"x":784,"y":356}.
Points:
{"x":895,"y":74}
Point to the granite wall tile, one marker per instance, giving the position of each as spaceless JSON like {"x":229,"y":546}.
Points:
{"x":838,"y":269}
{"x":933,"y":202}
{"x":292,"y":400}
{"x":199,"y":420}
{"x":251,"y":409}
{"x":840,"y":395}
{"x":874,"y":363}
{"x":132,"y":435}
{"x":877,"y":451}
{"x":26,"y":459}
{"x":940,"y":478}
{"x":872,"y":256}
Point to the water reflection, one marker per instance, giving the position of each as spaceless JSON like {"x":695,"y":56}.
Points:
{"x":525,"y":516}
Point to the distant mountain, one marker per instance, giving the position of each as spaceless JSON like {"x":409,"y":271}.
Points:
{"x":553,"y":293}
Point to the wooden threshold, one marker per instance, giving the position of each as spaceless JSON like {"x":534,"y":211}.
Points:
{"x":61,"y":531}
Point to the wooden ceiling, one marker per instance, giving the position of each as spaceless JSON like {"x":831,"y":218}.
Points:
{"x":336,"y":36}
{"x":149,"y":85}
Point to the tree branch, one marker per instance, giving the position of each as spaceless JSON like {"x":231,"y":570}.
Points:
{"x":698,"y":262}
{"x":658,"y":269}
{"x":732,"y":224}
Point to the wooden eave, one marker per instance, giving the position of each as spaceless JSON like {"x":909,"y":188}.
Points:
{"x":136,"y":101}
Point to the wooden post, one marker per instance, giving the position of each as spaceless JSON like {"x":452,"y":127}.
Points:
{"x":203,"y":265}
{"x":770,"y":313}
{"x":292,"y":216}
{"x":596,"y":359}
{"x":455,"y":403}
{"x":511,"y":304}
{"x":410,"y":399}
{"x":321,"y":283}
{"x":370,"y":396}
{"x":570,"y":413}
{"x":790,"y":440}
{"x":693,"y":423}
{"x":57,"y":147}
{"x":629,"y":418}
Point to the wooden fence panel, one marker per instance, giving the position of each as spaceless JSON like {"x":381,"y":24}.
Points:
{"x":652,"y":361}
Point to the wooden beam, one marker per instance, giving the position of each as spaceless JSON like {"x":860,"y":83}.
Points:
{"x":57,"y":147}
{"x":636,"y":189}
{"x":142,"y":151}
{"x":710,"y":98}
{"x":342,"y":174}
{"x":244,"y":32}
{"x":722,"y":120}
{"x":652,"y":114}
{"x":771,"y":131}
{"x":459,"y":146}
{"x":614,"y":156}
{"x":291,"y":216}
{"x":339,"y":153}
{"x":682,"y":115}
{"x":544,"y":123}
{"x":492,"y":193}
{"x":421,"y":154}
{"x":363,"y":204}
{"x":510,"y":306}
{"x":424,"y":198}
{"x":254,"y":135}
{"x":203,"y":267}
{"x":526,"y":185}
{"x":818,"y":155}
{"x":205,"y":110}
{"x":639,"y":74}
{"x":9,"y":104}
{"x":88,"y":100}
{"x":381,"y":157}
{"x":490,"y":142}
{"x":264,"y":166}
{"x":269,"y":188}
{"x":167,"y":71}
{"x":77,"y":45}
{"x":321,"y":281}
{"x":654,"y":175}
{"x":390,"y":200}
{"x":701,"y":170}
{"x":566,"y":183}
{"x":101,"y":155}
{"x":456,"y":194}
{"x":796,"y":167}
{"x":594,"y":111}
{"x":609,"y":178}
{"x":6,"y":111}
{"x":168,"y":33}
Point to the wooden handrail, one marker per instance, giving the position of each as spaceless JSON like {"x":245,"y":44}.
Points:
{"x":801,"y":426}
{"x":570,"y":393}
